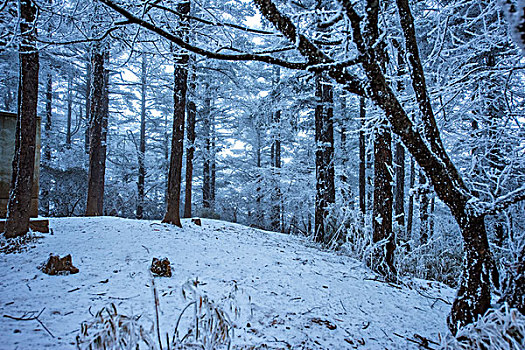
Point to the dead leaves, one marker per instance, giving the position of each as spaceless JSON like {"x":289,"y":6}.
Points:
{"x":322,"y":322}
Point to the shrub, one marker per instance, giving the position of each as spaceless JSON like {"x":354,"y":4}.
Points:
{"x":110,"y":330}
{"x":211,"y":326}
{"x":502,"y":328}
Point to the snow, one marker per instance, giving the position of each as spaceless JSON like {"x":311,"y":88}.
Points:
{"x":295,"y":289}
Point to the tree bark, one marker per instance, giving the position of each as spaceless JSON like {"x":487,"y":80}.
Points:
{"x":424,"y":204}
{"x":399,"y":200}
{"x":180,"y":88}
{"x":88,"y":105}
{"x":172,"y":215}
{"x":69,"y":110}
{"x":213,"y":170}
{"x":49,"y":115}
{"x":98,"y":130}
{"x":275,"y":220}
{"x":190,"y":148}
{"x":362,"y":158}
{"x":410,"y":215}
{"x":206,"y":166}
{"x":46,"y":154}
{"x":142,"y":141}
{"x":383,"y":258}
{"x":346,"y":190}
{"x":473,"y":296}
{"x":19,"y":203}
{"x":514,"y":286}
{"x":324,"y":158}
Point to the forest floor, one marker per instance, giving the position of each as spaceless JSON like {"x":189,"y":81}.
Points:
{"x":292,"y":294}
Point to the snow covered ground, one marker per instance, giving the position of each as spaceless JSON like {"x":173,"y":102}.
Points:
{"x":293,"y":293}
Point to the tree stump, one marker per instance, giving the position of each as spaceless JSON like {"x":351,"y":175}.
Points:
{"x":59,"y":266}
{"x":196,"y":221}
{"x":161,"y":267}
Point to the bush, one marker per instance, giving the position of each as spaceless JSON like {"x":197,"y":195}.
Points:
{"x":111,"y":331}
{"x":211,"y":326}
{"x":502,"y":328}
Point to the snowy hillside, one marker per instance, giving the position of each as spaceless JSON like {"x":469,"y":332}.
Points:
{"x":291,"y":293}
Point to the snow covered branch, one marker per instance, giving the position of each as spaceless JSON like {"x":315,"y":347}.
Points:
{"x":200,"y":51}
{"x":308,"y":49}
{"x":480,"y":208}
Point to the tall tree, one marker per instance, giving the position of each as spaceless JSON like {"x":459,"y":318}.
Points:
{"x":410,"y":214}
{"x":206,"y":153}
{"x":69,"y":109}
{"x":399,"y":153}
{"x":324,"y":157}
{"x":190,"y":148}
{"x":142,"y":140}
{"x":49,"y":115}
{"x":18,"y":206}
{"x":383,"y":258}
{"x":424,"y":206}
{"x":180,"y":87}
{"x":99,"y":103}
{"x":362,"y":159}
{"x":275,"y":223}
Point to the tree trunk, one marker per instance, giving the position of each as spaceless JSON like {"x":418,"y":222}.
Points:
{"x":275,"y":221}
{"x":172,"y":215}
{"x":514,"y":286}
{"x":424,"y":204}
{"x":213,"y":170}
{"x":259,"y":178}
{"x":166,"y":151}
{"x":46,"y":154}
{"x":18,"y":206}
{"x":324,"y":158}
{"x":399,"y":200}
{"x":98,"y":130}
{"x":88,"y":105}
{"x":206,"y":154}
{"x":190,"y":148}
{"x":410,"y":215}
{"x":346,"y":190}
{"x":49,"y":115}
{"x":142,"y":142}
{"x":473,"y":296}
{"x":69,"y":109}
{"x":362,"y":158}
{"x":383,"y":257}
{"x":400,"y":186}
{"x":180,"y":88}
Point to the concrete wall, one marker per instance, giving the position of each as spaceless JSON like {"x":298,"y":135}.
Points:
{"x":7,"y":150}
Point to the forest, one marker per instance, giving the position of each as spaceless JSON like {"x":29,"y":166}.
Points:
{"x":388,"y":132}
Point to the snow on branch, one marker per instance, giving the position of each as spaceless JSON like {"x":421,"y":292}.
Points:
{"x":308,"y":49}
{"x":200,"y":51}
{"x":480,"y":208}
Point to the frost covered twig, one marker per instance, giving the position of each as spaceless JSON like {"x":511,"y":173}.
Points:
{"x":480,"y":208}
